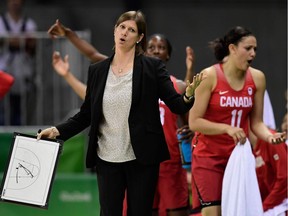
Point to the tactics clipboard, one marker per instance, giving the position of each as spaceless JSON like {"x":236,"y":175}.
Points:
{"x":30,"y":170}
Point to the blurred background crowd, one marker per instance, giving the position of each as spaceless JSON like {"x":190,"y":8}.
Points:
{"x":186,"y":23}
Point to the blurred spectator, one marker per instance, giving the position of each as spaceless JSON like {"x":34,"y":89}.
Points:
{"x":17,"y":50}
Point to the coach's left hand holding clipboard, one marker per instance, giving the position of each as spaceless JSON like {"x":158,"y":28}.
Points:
{"x":30,"y":169}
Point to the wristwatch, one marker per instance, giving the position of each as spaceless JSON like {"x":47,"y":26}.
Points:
{"x":188,"y":98}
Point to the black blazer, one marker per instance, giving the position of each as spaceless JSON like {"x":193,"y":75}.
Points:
{"x":151,"y":81}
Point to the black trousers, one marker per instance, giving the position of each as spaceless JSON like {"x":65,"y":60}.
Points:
{"x":138,"y":180}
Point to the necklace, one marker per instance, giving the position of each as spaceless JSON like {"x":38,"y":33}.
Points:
{"x":121,"y":68}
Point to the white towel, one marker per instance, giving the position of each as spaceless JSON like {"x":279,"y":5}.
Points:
{"x":240,"y":191}
{"x":278,"y":210}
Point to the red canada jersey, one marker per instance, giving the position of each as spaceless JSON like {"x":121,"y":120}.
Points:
{"x":169,"y":123}
{"x":227,"y":106}
{"x":271,"y":169}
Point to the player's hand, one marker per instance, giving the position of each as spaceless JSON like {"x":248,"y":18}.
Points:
{"x":237,"y":134}
{"x":189,"y":58}
{"x":277,"y":138}
{"x":185,"y":132}
{"x":60,"y":65}
{"x":191,"y":87}
{"x":57,"y":30}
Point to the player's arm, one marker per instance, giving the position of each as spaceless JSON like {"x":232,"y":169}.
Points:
{"x":58,"y":29}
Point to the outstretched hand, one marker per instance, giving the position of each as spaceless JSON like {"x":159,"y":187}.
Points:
{"x":277,"y":138}
{"x":60,"y":65}
{"x":191,"y":87}
{"x":57,"y":29}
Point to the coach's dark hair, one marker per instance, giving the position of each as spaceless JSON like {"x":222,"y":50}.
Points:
{"x":139,"y":18}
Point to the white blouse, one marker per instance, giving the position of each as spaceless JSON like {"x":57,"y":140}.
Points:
{"x":114,"y":139}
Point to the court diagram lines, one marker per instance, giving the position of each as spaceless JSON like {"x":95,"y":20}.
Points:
{"x":25,"y":169}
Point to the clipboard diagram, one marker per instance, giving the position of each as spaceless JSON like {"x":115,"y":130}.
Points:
{"x":25,"y":171}
{"x":30,"y":171}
